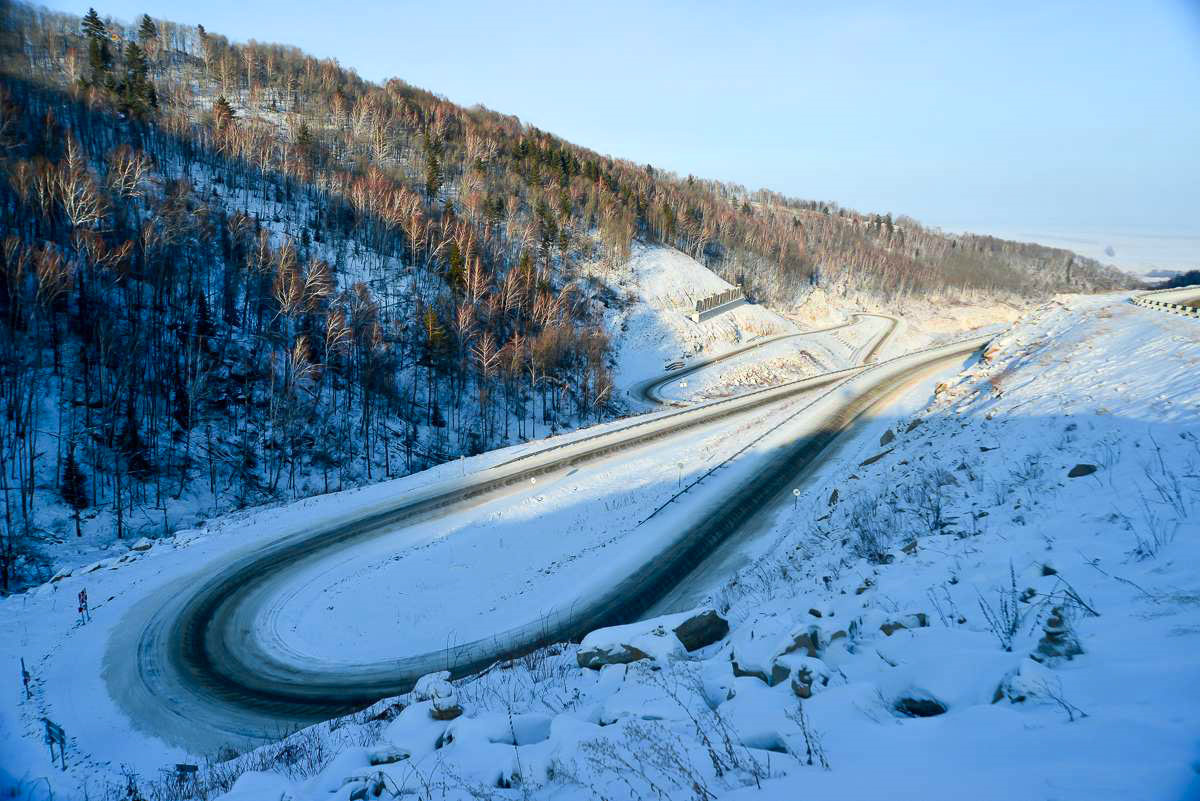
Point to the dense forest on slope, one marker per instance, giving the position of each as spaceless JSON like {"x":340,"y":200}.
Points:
{"x":233,"y":272}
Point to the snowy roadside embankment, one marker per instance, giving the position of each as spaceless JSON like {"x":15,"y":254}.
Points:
{"x":999,"y":601}
{"x":660,"y":286}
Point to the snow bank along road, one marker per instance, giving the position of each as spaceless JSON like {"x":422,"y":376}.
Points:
{"x":186,"y":666}
{"x":648,"y":390}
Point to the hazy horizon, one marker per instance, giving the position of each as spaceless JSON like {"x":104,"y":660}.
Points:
{"x":1060,"y":117}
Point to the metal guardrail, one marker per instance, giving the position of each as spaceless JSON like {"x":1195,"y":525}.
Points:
{"x":1150,"y":300}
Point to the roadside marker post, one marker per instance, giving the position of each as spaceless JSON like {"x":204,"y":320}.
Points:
{"x":56,"y":736}
{"x":25,"y":679}
{"x":796,"y":497}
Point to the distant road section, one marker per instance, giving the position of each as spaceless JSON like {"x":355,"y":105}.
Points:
{"x":649,"y":391}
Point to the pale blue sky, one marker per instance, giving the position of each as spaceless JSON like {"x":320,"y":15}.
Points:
{"x":1064,"y":115}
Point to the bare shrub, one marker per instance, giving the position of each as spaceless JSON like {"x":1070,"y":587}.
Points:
{"x":1166,"y":482}
{"x":926,"y":499}
{"x":298,"y":756}
{"x":1151,"y":530}
{"x":872,"y":525}
{"x":1004,"y":620}
{"x":649,"y":761}
{"x":814,"y":748}
{"x":1029,"y":469}
{"x":1054,"y":692}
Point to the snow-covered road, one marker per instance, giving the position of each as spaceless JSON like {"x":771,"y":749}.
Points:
{"x":209,"y":659}
{"x":876,"y":328}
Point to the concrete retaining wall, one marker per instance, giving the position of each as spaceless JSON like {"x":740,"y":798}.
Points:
{"x":701,"y":316}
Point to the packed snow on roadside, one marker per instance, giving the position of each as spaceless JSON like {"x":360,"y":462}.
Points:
{"x":1001,"y":602}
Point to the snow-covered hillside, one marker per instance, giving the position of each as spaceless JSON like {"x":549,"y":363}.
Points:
{"x":987,"y":591}
{"x":652,"y":329}
{"x":660,"y":287}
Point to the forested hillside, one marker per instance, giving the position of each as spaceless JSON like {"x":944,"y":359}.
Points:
{"x":233,"y":273}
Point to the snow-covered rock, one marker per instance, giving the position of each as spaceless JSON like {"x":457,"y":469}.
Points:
{"x":618,"y":645}
{"x":701,"y":630}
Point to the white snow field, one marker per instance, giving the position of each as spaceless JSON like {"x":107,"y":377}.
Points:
{"x":956,"y":549}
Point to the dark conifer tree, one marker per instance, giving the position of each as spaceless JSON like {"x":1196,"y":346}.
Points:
{"x":137,"y":92}
{"x":222,"y":112}
{"x":147,"y":31}
{"x":74,"y":488}
{"x":99,"y":54}
{"x":92,"y":26}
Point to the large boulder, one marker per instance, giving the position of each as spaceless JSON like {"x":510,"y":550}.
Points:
{"x":1029,"y":679}
{"x":620,"y":645}
{"x":702,"y":629}
{"x":661,"y":638}
{"x":767,"y":646}
{"x":598,"y":655}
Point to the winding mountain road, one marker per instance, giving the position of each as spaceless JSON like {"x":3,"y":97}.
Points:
{"x":648,"y":391}
{"x":187,"y":667}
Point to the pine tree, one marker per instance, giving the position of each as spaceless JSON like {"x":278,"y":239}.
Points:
{"x":181,"y":409}
{"x":148,"y":31}
{"x":433,"y":174}
{"x":222,"y":113}
{"x":137,"y":91}
{"x":132,"y":446}
{"x":74,"y":488}
{"x":92,"y":26}
{"x":99,"y":56}
{"x":433,"y":165}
